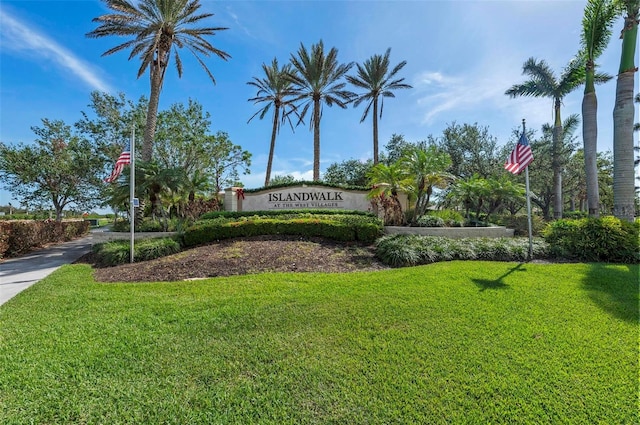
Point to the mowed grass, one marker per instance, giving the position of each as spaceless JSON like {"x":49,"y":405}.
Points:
{"x":456,"y":342}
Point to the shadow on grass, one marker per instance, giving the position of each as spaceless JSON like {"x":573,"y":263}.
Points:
{"x":615,"y":289}
{"x":498,"y":283}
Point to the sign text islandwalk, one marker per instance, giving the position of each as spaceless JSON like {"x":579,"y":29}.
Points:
{"x":286,"y":200}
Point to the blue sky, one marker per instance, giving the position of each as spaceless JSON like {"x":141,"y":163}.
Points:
{"x":461,"y":57}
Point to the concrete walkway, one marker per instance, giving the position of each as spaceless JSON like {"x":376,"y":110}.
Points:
{"x":17,"y":274}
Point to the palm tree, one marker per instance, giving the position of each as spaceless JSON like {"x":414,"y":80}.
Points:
{"x":427,"y":169}
{"x":543,"y":83}
{"x":274,"y":89}
{"x":317,"y":81}
{"x":374,"y":77}
{"x":596,"y":32}
{"x":623,"y":112}
{"x":157,"y":28}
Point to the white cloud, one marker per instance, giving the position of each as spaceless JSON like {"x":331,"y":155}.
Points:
{"x":19,"y":38}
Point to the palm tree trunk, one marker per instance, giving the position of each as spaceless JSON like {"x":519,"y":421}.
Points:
{"x":623,"y":170}
{"x":590,"y":139}
{"x":375,"y":131}
{"x":557,"y":173}
{"x":316,"y":139}
{"x":623,"y":111}
{"x":152,"y":113}
{"x":272,"y":146}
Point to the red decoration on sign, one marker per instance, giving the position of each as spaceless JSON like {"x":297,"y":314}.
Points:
{"x":240,"y":193}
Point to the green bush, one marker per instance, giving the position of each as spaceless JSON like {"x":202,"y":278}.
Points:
{"x":606,"y":239}
{"x":520,"y":224}
{"x":118,"y":252}
{"x":147,"y":225}
{"x":429,"y":220}
{"x":281,"y":213}
{"x":451,"y":218}
{"x":411,"y":250}
{"x":365,"y":228}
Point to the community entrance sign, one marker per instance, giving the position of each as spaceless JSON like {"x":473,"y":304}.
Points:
{"x":297,"y":197}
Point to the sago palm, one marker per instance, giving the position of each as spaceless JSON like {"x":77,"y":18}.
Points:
{"x":318,"y":81}
{"x":623,"y":116}
{"x":375,"y":77}
{"x":158,"y":28}
{"x":596,"y":32}
{"x":274,"y":89}
{"x":543,"y":83}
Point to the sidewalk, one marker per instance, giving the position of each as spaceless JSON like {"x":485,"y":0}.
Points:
{"x":17,"y":274}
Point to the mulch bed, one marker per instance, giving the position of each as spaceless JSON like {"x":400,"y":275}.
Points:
{"x":246,"y":256}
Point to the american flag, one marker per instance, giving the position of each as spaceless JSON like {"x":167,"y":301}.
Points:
{"x":123,"y":159}
{"x":520,"y":157}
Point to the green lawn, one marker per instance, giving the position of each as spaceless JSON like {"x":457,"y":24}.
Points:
{"x":448,"y":343}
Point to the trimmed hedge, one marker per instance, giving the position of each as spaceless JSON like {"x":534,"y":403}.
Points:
{"x":605,"y":239}
{"x":281,"y":213}
{"x":21,"y":236}
{"x":342,"y":228}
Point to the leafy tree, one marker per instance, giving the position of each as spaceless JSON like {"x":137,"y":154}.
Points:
{"x":426,"y":168}
{"x":109,"y":129}
{"x":317,"y":81}
{"x":59,"y":170}
{"x":543,"y":83}
{"x":275,"y":88}
{"x":181,"y":137}
{"x":623,"y":115}
{"x":378,"y":81}
{"x":282,"y":179}
{"x":396,"y":148}
{"x":596,"y":32}
{"x":157,"y":28}
{"x":350,"y":172}
{"x":226,"y":160}
{"x":472,"y":150}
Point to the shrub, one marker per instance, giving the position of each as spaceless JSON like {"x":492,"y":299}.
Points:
{"x":429,"y":220}
{"x":118,"y":252}
{"x":411,"y":250}
{"x":281,"y":213}
{"x":606,"y":239}
{"x":520,"y":224}
{"x":451,"y":218}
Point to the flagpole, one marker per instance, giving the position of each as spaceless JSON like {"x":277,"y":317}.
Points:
{"x":132,"y":179}
{"x":526,"y":179}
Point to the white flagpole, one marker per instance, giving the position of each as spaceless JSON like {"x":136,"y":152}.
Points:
{"x":526,"y":179}
{"x":132,"y":179}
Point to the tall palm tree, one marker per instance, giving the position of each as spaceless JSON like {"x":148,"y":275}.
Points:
{"x":276,"y":89}
{"x":623,"y":111}
{"x":374,"y":77}
{"x":317,"y":81}
{"x":157,"y":28}
{"x":596,"y":32}
{"x":543,"y":83}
